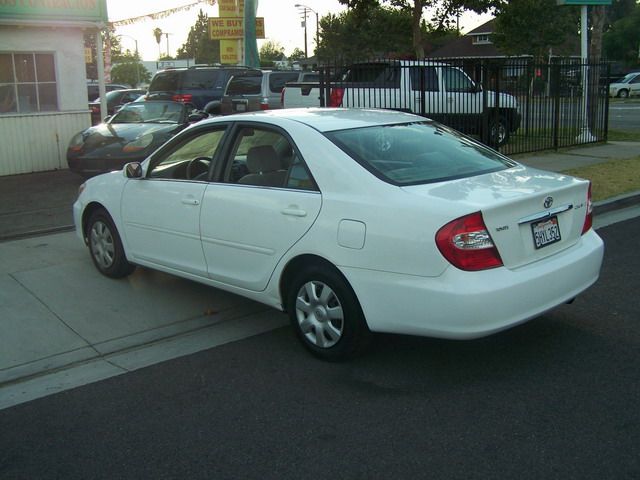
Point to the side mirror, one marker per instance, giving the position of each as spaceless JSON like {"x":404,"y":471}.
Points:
{"x":133,"y":170}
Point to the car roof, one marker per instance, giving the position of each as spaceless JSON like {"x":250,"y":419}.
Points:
{"x":325,"y":119}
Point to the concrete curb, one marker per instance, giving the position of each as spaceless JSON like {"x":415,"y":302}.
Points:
{"x":616,"y":203}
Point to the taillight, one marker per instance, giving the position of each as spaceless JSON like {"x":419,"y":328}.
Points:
{"x":264,"y":104}
{"x":467,"y":245}
{"x":335,"y":97}
{"x":588,"y":219}
{"x":184,"y":98}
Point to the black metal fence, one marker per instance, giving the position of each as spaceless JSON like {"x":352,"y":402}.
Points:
{"x":514,"y":104}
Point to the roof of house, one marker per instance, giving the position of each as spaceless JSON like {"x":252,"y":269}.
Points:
{"x":464,"y":46}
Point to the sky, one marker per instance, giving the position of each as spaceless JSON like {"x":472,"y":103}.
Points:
{"x":282,"y":23}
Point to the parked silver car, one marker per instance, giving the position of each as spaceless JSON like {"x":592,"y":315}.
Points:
{"x":626,"y":87}
{"x":255,"y":90}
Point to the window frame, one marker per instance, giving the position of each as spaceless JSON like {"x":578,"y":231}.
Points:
{"x":39,"y":86}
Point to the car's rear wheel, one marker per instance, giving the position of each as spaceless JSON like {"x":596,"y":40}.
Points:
{"x":105,"y":246}
{"x":326,"y":315}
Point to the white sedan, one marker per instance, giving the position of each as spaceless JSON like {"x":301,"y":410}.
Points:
{"x":352,"y":221}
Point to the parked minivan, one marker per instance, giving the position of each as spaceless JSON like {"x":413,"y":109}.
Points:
{"x":256,"y":90}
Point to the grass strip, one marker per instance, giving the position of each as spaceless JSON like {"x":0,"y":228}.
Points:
{"x":611,"y":178}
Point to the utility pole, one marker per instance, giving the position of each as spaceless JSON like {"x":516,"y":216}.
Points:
{"x":305,"y":15}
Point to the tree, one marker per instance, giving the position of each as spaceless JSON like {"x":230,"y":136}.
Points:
{"x":533,"y":26}
{"x":271,"y":52}
{"x":198,"y":45}
{"x":296,"y":55}
{"x":622,"y":40}
{"x":127,"y":69}
{"x":353,"y":34}
{"x":444,"y":13}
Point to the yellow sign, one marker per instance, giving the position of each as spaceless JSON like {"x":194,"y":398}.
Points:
{"x":229,"y":8}
{"x":229,"y":53}
{"x":230,"y":28}
{"x":88,"y":57}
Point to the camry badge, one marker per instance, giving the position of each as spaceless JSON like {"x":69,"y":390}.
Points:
{"x":548,"y":202}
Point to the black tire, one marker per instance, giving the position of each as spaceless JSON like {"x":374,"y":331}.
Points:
{"x":105,"y":246}
{"x":498,"y":131}
{"x":326,"y":315}
{"x":623,"y":93}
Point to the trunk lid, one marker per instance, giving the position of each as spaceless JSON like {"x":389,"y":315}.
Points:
{"x":530,"y":214}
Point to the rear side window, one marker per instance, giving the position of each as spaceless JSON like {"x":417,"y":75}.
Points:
{"x":245,"y":85}
{"x":380,"y":75}
{"x":278,"y":79}
{"x":416,"y":153}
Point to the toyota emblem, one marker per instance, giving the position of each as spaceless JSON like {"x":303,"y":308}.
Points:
{"x":548,"y":202}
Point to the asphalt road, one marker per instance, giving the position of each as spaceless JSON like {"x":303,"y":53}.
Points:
{"x":624,"y":115}
{"x":555,"y":398}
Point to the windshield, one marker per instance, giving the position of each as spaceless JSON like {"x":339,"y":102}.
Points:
{"x":416,"y":153}
{"x":628,"y":78}
{"x":150,"y":112}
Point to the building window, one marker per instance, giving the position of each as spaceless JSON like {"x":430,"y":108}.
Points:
{"x":27,"y":83}
{"x":479,"y":39}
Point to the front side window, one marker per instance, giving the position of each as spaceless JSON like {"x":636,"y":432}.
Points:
{"x":27,"y":83}
{"x":417,"y":153}
{"x":424,"y":79}
{"x":190,"y":160}
{"x":456,"y":80}
{"x":278,"y":79}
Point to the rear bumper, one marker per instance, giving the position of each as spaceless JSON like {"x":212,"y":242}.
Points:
{"x":464,"y":305}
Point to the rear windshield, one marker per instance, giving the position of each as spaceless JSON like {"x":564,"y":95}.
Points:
{"x":417,"y":153}
{"x":245,"y":85}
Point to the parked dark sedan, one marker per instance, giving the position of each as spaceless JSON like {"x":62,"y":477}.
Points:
{"x":128,"y":136}
{"x":115,"y":99}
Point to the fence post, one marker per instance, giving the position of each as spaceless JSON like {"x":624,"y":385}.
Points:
{"x":606,"y":103}
{"x":555,"y":88}
{"x":485,"y":103}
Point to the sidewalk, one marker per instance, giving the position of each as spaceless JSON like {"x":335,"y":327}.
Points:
{"x":59,"y":326}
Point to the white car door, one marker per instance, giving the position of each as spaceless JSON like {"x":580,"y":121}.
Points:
{"x":161,"y":212}
{"x":266,"y":203}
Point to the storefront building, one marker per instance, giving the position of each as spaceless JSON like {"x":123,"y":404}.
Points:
{"x":43,"y":90}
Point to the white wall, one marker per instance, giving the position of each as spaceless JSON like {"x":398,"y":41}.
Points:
{"x":34,"y":142}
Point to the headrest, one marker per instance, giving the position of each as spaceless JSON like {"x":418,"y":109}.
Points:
{"x":262,"y":159}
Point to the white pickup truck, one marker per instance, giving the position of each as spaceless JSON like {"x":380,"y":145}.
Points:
{"x":436,"y":90}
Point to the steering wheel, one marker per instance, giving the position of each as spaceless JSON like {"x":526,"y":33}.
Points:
{"x":197,"y":166}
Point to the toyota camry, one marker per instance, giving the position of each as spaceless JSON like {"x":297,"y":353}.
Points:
{"x":352,"y":221}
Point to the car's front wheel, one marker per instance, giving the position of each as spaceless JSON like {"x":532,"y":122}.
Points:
{"x":105,"y":246}
{"x":326,"y":315}
{"x":498,"y":131}
{"x":623,"y":93}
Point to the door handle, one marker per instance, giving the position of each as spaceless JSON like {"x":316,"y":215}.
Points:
{"x":294,"y":212}
{"x":190,"y":201}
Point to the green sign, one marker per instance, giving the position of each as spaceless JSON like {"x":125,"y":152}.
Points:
{"x":42,"y":10}
{"x":584,"y":2}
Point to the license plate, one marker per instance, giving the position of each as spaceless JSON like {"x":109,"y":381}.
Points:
{"x":240,"y":107}
{"x":546,"y":232}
